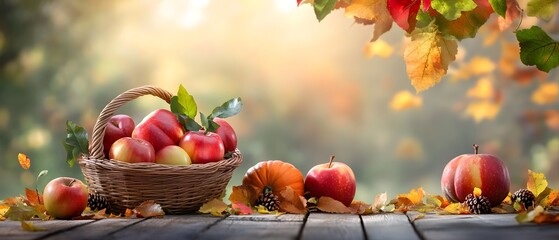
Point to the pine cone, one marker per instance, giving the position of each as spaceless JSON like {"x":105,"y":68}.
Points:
{"x":478,"y":205}
{"x":525,"y":196}
{"x":97,"y":202}
{"x":268,"y":199}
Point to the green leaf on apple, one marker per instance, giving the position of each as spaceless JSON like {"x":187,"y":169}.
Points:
{"x":76,"y":142}
{"x":188,"y":123}
{"x":227,"y":109}
{"x":208,"y":123}
{"x":183,"y":103}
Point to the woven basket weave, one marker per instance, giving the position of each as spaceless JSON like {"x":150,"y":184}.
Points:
{"x":178,"y":189}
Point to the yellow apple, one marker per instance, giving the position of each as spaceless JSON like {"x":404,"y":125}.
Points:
{"x":172,"y":155}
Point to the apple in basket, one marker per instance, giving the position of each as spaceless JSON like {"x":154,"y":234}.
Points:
{"x":119,"y":126}
{"x":160,"y":128}
{"x":227,"y":134}
{"x":172,"y":155}
{"x":202,"y":147}
{"x":65,"y":197}
{"x":132,"y":150}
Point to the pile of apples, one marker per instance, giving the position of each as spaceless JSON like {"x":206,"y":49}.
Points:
{"x":160,"y":138}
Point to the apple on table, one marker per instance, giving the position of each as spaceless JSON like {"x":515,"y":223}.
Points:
{"x":332,"y":179}
{"x":132,"y":150}
{"x":119,"y":126}
{"x":202,"y":147}
{"x":65,"y":197}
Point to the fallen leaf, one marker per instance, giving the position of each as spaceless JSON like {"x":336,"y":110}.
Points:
{"x":33,"y":197}
{"x":378,"y":48}
{"x":380,"y":201}
{"x":503,"y":209}
{"x":330,"y":205}
{"x":455,"y":208}
{"x":128,"y":213}
{"x":427,"y":57}
{"x":239,"y":208}
{"x":409,"y":201}
{"x":24,"y":161}
{"x":292,"y":202}
{"x":244,"y":194}
{"x":360,"y":207}
{"x":417,"y":217}
{"x":28,"y":226}
{"x":149,"y":209}
{"x":537,"y":182}
{"x":215,"y":206}
{"x":371,"y":12}
{"x":546,"y":93}
{"x":436,"y":200}
{"x":404,"y":100}
{"x":526,"y":217}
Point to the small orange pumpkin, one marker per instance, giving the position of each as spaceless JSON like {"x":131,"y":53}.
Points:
{"x":276,"y":174}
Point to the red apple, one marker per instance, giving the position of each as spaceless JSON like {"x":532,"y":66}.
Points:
{"x":172,"y":155}
{"x":227,"y":134}
{"x":333,"y":179}
{"x":160,"y":128}
{"x":467,"y":171}
{"x":65,"y":197}
{"x":132,"y":150}
{"x":119,"y":126}
{"x":203,"y":147}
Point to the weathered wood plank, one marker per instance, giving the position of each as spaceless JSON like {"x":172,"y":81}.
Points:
{"x":388,"y":226}
{"x":488,"y":226}
{"x":333,"y":226}
{"x":12,"y":229}
{"x":99,"y":229}
{"x":168,"y":227}
{"x":256,"y":227}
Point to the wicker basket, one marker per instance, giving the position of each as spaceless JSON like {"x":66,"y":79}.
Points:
{"x":178,"y":189}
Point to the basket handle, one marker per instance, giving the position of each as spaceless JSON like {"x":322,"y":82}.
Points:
{"x":96,"y":148}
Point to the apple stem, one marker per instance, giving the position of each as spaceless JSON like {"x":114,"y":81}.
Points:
{"x":476,"y":148}
{"x":331,"y":161}
{"x":72,"y":182}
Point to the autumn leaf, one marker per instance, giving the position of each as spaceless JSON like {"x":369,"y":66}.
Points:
{"x":215,"y":207}
{"x":455,"y":208}
{"x":404,"y":100}
{"x":240,"y":209}
{"x":482,"y":90}
{"x":451,"y":10}
{"x":380,"y":201}
{"x":263,"y":210}
{"x":20,"y":212}
{"x":503,"y":209}
{"x":330,"y":205}
{"x":148,"y":209}
{"x":371,"y":12}
{"x":427,"y":57}
{"x":409,"y":201}
{"x":481,"y":110}
{"x":467,"y":25}
{"x":546,"y":93}
{"x":404,"y":12}
{"x":378,"y":48}
{"x":33,"y":197}
{"x":526,"y":217}
{"x":292,"y":202}
{"x":417,"y":217}
{"x":537,"y":182}
{"x":244,"y":194}
{"x":360,"y":207}
{"x":537,"y":48}
{"x":28,"y":226}
{"x":436,"y":200}
{"x":543,"y":9}
{"x":513,"y":11}
{"x":476,"y":66}
{"x":24,"y":161}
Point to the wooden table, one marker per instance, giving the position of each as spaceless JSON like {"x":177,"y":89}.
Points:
{"x":313,"y":226}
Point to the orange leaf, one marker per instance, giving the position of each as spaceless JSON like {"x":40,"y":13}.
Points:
{"x":371,"y":12}
{"x":33,"y":197}
{"x":456,"y":208}
{"x":482,"y":90}
{"x":547,"y":93}
{"x":240,"y":209}
{"x":24,"y":161}
{"x":404,"y":100}
{"x":244,"y":194}
{"x":149,"y":209}
{"x":127,"y":213}
{"x":475,"y":67}
{"x":292,"y":202}
{"x":546,"y":217}
{"x":215,"y":206}
{"x":486,"y":109}
{"x":360,"y":207}
{"x":328,"y":204}
{"x":378,"y":48}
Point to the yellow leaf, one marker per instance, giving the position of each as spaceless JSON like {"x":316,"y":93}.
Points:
{"x":537,"y":183}
{"x":482,"y":90}
{"x":427,"y":57}
{"x":417,"y":217}
{"x":413,"y":199}
{"x":456,"y":208}
{"x":28,"y":226}
{"x":482,"y":110}
{"x":24,"y":161}
{"x":215,"y":206}
{"x":330,"y":205}
{"x":404,"y":100}
{"x":477,"y":191}
{"x":371,"y":12}
{"x":475,"y":67}
{"x":378,"y":48}
{"x":546,"y":93}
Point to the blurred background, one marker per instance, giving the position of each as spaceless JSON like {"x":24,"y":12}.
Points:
{"x":309,"y":89}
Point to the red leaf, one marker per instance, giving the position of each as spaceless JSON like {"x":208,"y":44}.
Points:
{"x":240,"y":209}
{"x":33,"y":197}
{"x":404,"y":12}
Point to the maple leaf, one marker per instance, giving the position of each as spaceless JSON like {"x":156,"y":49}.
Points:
{"x":513,"y":11}
{"x":467,"y":25}
{"x":292,"y":202}
{"x":371,"y":12}
{"x":451,"y":10}
{"x":244,"y":194}
{"x":537,"y":182}
{"x":543,"y":9}
{"x":482,"y":90}
{"x":378,"y":48}
{"x":148,"y":209}
{"x":404,"y":100}
{"x":24,"y":161}
{"x":427,"y":57}
{"x":537,"y":48}
{"x":330,"y":205}
{"x":546,"y":93}
{"x":404,"y":12}
{"x":215,"y":207}
{"x":28,"y":226}
{"x":240,"y":209}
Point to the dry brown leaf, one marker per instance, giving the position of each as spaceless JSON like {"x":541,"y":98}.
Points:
{"x":546,"y":93}
{"x":244,"y":194}
{"x":149,"y":209}
{"x":292,"y":202}
{"x":330,"y":205}
{"x":24,"y":161}
{"x":380,"y":201}
{"x":360,"y":207}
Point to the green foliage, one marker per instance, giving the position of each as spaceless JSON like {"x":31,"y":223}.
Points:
{"x":537,"y":48}
{"x":228,"y":109}
{"x":543,"y":9}
{"x":183,"y":103}
{"x":76,"y":142}
{"x":452,"y":10}
{"x":499,"y":6}
{"x":188,"y":123}
{"x":323,"y":7}
{"x":208,"y":123}
{"x":466,"y":26}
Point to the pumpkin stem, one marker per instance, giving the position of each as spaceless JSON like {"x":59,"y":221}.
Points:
{"x":476,"y":147}
{"x":331,"y":161}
